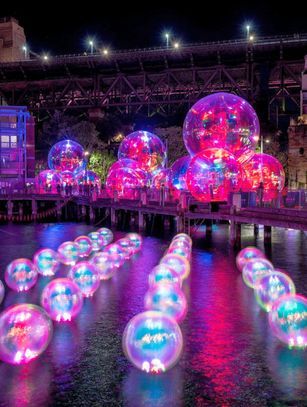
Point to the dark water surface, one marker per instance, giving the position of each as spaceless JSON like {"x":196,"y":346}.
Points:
{"x":230,"y":357}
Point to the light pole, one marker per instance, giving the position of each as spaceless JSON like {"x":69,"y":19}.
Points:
{"x":167,"y":39}
{"x":247,"y":32}
{"x":25,"y":50}
{"x":91,"y":44}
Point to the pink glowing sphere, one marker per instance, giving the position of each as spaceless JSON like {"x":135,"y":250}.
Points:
{"x":47,"y":262}
{"x":178,"y":263}
{"x":163,"y":274}
{"x":247,"y":254}
{"x":25,"y":332}
{"x":21,"y":275}
{"x":177,"y":177}
{"x":161,"y":178}
{"x":213,"y":174}
{"x":2,"y":291}
{"x":255,"y":269}
{"x":104,"y":264}
{"x":98,"y":242}
{"x":68,"y":178}
{"x":85,"y":246}
{"x":62,"y":299}
{"x":48,"y":181}
{"x":136,"y":240}
{"x":266,"y":169}
{"x":183,"y":237}
{"x":117,"y":253}
{"x":107,"y":235}
{"x":288,"y":320}
{"x":68,"y":253}
{"x":180,"y":251}
{"x":145,"y":148}
{"x":127,"y":245}
{"x":131,"y":165}
{"x":271,"y":287}
{"x":222,"y":120}
{"x":180,"y":243}
{"x":67,"y":155}
{"x":167,"y":298}
{"x":86,"y":276}
{"x":88,"y":177}
{"x":125,"y":183}
{"x":152,"y":341}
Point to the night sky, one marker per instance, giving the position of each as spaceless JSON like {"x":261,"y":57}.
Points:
{"x":57,"y":30}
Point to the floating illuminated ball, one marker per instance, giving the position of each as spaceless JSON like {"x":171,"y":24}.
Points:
{"x":213,"y":174}
{"x":167,"y":298}
{"x":107,"y":235}
{"x":182,"y":237}
{"x":98,"y":242}
{"x":104,"y":264}
{"x":152,"y":341}
{"x":21,"y":275}
{"x":117,"y":253}
{"x":161,"y":178}
{"x":85,"y":246}
{"x":46,"y":261}
{"x":2,"y":291}
{"x":178,"y":263}
{"x":266,"y":169}
{"x":180,"y":250}
{"x":68,"y":178}
{"x":246,"y":255}
{"x":255,"y":269}
{"x":48,"y":181}
{"x":125,"y":183}
{"x":62,"y":299}
{"x":68,"y":253}
{"x":131,"y":164}
{"x":25,"y":332}
{"x":67,"y":155}
{"x":88,"y":177}
{"x":222,"y":120}
{"x":177,"y":177}
{"x":288,"y":320}
{"x":136,"y":240}
{"x":271,"y":287}
{"x":145,"y":148}
{"x":180,"y":243}
{"x":163,"y":274}
{"x":86,"y":276}
{"x":127,"y":245}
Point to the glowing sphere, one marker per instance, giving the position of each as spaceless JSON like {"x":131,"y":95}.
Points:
{"x":117,"y":253}
{"x":98,"y":242}
{"x":288,"y":320}
{"x":178,"y":175}
{"x":163,"y":274}
{"x":178,"y":263}
{"x":88,"y":177}
{"x":161,"y":178}
{"x":62,"y":299}
{"x":254,"y":270}
{"x":145,"y":148}
{"x":136,"y":240}
{"x":125,"y":183}
{"x":180,"y":243}
{"x":104,"y":264}
{"x":152,"y":341}
{"x":85,"y":246}
{"x":107,"y":234}
{"x":222,"y":120}
{"x":127,"y":245}
{"x":266,"y":169}
{"x":48,"y":181}
{"x":246,"y":255}
{"x":46,"y":261}
{"x":21,"y":275}
{"x":167,"y":298}
{"x":2,"y":291}
{"x":68,"y":253}
{"x":67,"y":155}
{"x":68,"y":178}
{"x":25,"y":332}
{"x":183,"y":237}
{"x":86,"y":276}
{"x":271,"y":287}
{"x":213,"y":174}
{"x":131,"y":164}
{"x":180,"y":250}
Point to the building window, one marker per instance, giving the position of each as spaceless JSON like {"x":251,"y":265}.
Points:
{"x":8,"y":141}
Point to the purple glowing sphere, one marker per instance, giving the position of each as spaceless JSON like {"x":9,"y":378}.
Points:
{"x":117,"y":254}
{"x":136,"y":240}
{"x":247,"y":254}
{"x":85,"y":246}
{"x":178,"y":263}
{"x":98,"y":242}
{"x":47,"y":262}
{"x":125,"y":183}
{"x":86,"y":276}
{"x":107,"y":235}
{"x":2,"y":291}
{"x":255,"y":269}
{"x":67,"y":155}
{"x":68,"y":253}
{"x":48,"y":181}
{"x":177,"y":177}
{"x":104,"y":264}
{"x":21,"y":275}
{"x":88,"y":177}
{"x":161,"y":178}
{"x":163,"y":274}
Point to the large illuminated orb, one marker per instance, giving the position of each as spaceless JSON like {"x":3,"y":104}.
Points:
{"x":255,"y":269}
{"x":67,"y":155}
{"x":161,"y":178}
{"x":25,"y":332}
{"x":104,"y":264}
{"x":177,"y":178}
{"x":266,"y":169}
{"x":222,"y":120}
{"x":125,"y":183}
{"x":48,"y":181}
{"x":68,"y":178}
{"x":46,"y":261}
{"x":85,"y":246}
{"x":127,"y":245}
{"x":271,"y":287}
{"x":21,"y":275}
{"x":62,"y":299}
{"x":117,"y":253}
{"x":180,"y":250}
{"x":86,"y":276}
{"x":178,"y":263}
{"x":145,"y":148}
{"x":152,"y":341}
{"x":68,"y":253}
{"x":136,"y":240}
{"x":167,"y":298}
{"x":246,"y":255}
{"x":183,"y":237}
{"x":163,"y":274}
{"x":131,"y":164}
{"x":107,"y":235}
{"x":2,"y":291}
{"x":98,"y":242}
{"x":88,"y":177}
{"x":213,"y":174}
{"x":288,"y":320}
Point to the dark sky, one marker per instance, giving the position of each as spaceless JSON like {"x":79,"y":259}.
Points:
{"x":50,"y":26}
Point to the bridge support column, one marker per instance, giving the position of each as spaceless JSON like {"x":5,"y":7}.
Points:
{"x":10,"y":210}
{"x":20,"y":211}
{"x":34,"y":208}
{"x":179,"y":224}
{"x":92,"y":214}
{"x":113,"y":217}
{"x":267,"y":234}
{"x":141,"y":222}
{"x":208,"y":223}
{"x":59,"y":209}
{"x":235,"y":234}
{"x":256,"y":230}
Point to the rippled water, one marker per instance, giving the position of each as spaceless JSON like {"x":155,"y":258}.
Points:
{"x":230,"y":357}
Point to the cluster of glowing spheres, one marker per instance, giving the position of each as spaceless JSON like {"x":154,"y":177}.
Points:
{"x":222,"y":120}
{"x":136,"y":240}
{"x":247,"y":254}
{"x":179,"y":264}
{"x":21,"y":275}
{"x":62,"y":299}
{"x":88,"y":177}
{"x":125,"y":183}
{"x":127,"y":246}
{"x":152,"y":341}
{"x":48,"y":181}
{"x":104,"y":264}
{"x":288,"y":320}
{"x":85,"y":246}
{"x":145,"y":148}
{"x":46,"y":261}
{"x":271,"y":287}
{"x":117,"y":254}
{"x":177,"y":177}
{"x":266,"y":169}
{"x":97,"y":241}
{"x":86,"y":276}
{"x":213,"y":174}
{"x":163,"y":274}
{"x":161,"y":178}
{"x":167,"y":298}
{"x":254,"y":270}
{"x":106,"y":234}
{"x":68,"y":253}
{"x":25,"y":332}
{"x":67,"y":155}
{"x":2,"y":291}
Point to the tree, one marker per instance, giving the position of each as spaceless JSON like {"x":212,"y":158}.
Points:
{"x":172,"y":137}
{"x":100,"y":162}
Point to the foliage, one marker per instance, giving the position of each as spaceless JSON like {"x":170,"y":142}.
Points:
{"x":100,"y":162}
{"x":172,"y":137}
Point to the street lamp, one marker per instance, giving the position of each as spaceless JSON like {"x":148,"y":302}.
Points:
{"x":176,"y":45}
{"x":91,"y":44}
{"x":167,"y":39}
{"x":25,"y":50}
{"x":247,"y":31}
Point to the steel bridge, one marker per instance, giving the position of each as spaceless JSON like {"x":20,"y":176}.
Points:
{"x":161,"y":80}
